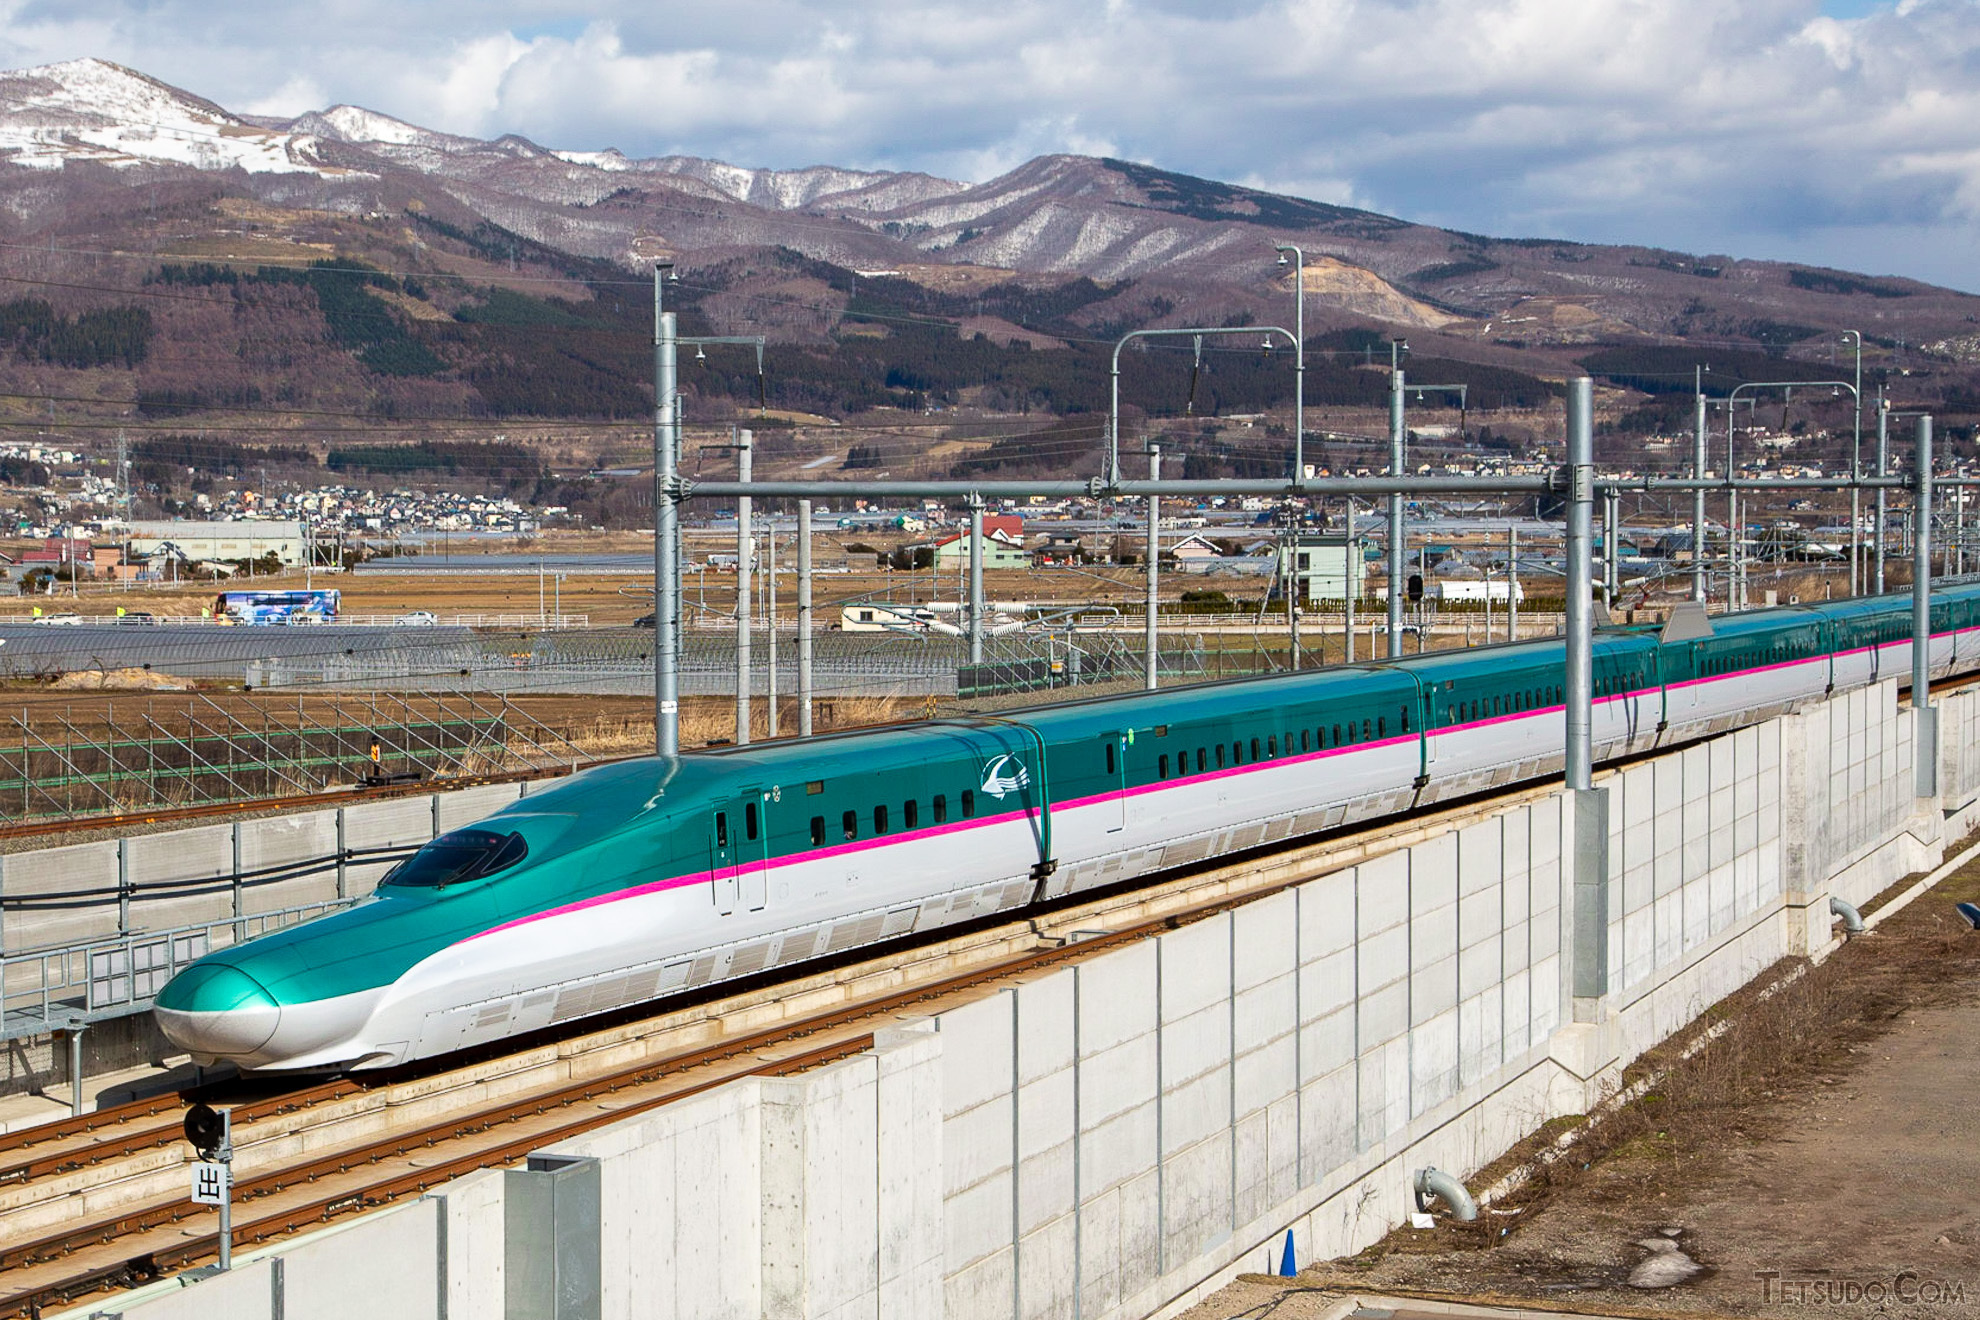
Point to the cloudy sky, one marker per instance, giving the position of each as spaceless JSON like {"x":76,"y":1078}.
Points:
{"x":1845,"y":132}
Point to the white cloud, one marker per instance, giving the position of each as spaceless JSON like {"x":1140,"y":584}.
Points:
{"x":1756,"y":126}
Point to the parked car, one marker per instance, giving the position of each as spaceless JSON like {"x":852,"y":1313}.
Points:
{"x":62,"y":620}
{"x":417,"y":619}
{"x":137,"y":616}
{"x":643,"y":621}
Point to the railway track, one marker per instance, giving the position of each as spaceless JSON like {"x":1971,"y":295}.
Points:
{"x":100,"y":1202}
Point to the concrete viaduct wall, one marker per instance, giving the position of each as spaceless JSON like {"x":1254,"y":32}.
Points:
{"x":1115,"y":1138}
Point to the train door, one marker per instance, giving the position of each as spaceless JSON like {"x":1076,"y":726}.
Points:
{"x":1113,"y":753}
{"x":753,"y":850}
{"x":722,"y":861}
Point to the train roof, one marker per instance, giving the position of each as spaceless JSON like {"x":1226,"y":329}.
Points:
{"x":630,"y":786}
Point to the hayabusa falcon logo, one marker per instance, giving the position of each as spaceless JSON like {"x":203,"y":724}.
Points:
{"x":1005,"y":775}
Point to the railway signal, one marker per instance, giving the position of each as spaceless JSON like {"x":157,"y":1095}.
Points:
{"x":210,"y":1132}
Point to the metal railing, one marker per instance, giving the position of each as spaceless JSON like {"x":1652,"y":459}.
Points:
{"x":60,"y":989}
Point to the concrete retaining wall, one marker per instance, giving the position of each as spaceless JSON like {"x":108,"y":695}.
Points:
{"x":1114,"y":1138}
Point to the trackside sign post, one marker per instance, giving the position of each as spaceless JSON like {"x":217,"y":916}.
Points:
{"x":211,"y":1132}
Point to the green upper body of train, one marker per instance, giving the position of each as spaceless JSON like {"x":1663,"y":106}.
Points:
{"x":644,"y":877}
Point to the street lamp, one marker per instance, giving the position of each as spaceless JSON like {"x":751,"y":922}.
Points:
{"x":1299,"y":358}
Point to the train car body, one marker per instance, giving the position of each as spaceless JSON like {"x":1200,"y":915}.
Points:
{"x":640,"y":879}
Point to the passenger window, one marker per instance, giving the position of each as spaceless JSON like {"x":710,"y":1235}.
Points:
{"x":1254,"y":749}
{"x":1337,"y":735}
{"x":1162,"y":766}
{"x":749,"y":820}
{"x":817,"y":830}
{"x":1200,"y":765}
{"x":968,"y":803}
{"x":1305,"y":740}
{"x":941,"y":806}
{"x":1110,"y":756}
{"x":880,"y":819}
{"x":1272,"y":745}
{"x":1220,"y":756}
{"x":721,"y":829}
{"x":1382,"y":726}
{"x":910,"y":814}
{"x":1405,"y":719}
{"x":1365,"y":732}
{"x":851,"y":824}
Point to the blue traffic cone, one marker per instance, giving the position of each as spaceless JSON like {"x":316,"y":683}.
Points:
{"x":1286,"y":1267}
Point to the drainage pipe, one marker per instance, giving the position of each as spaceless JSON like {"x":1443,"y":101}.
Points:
{"x":1852,"y":920}
{"x":1435,"y":1182}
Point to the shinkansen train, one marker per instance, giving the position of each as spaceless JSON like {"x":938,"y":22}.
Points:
{"x":640,"y":879}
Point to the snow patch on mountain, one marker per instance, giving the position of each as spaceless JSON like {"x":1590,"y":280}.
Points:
{"x":610,"y":159}
{"x":351,"y":123}
{"x":93,"y":110}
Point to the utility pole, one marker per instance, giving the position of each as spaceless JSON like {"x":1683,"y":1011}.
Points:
{"x":1398,"y":564}
{"x":1926,"y":730}
{"x":1698,"y":461}
{"x":1611,"y":534}
{"x":1292,"y":589}
{"x":1151,"y":638}
{"x":770,"y":610}
{"x":1883,"y":469}
{"x":1589,"y":974}
{"x":1856,"y":471}
{"x":975,"y":580}
{"x":804,"y":618}
{"x":1512,"y":582}
{"x":1351,"y":562}
{"x":744,"y":546}
{"x":666,"y":531}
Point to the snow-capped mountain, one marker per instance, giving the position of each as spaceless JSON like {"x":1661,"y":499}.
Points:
{"x":1192,"y":247}
{"x":92,"y":110}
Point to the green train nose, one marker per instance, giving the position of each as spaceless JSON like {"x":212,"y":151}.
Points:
{"x":214,"y":1009}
